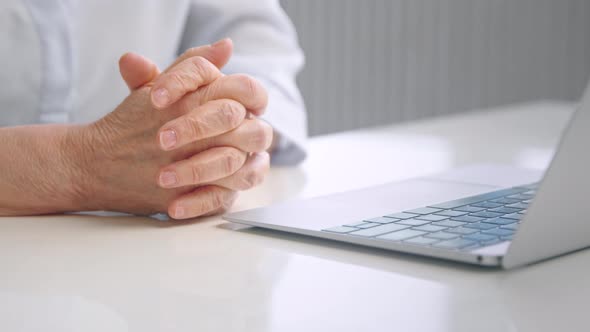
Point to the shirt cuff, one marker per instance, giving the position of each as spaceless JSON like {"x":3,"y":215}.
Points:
{"x":290,"y":123}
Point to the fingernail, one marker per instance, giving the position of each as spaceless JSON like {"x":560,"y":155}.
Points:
{"x":168,"y":179}
{"x":161,"y":97}
{"x":179,"y":212}
{"x":168,"y":139}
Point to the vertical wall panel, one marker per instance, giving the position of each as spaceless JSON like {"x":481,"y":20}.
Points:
{"x":371,"y":62}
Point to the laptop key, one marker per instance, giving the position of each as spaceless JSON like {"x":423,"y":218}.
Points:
{"x":401,"y":235}
{"x":442,"y":235}
{"x":515,"y":216}
{"x":468,"y":219}
{"x":363,"y":224}
{"x":340,"y":229}
{"x":499,"y":232}
{"x":413,"y":222}
{"x":519,"y":205}
{"x":429,"y":228}
{"x":381,"y":220}
{"x":481,"y":225}
{"x":469,"y":208}
{"x":522,"y":197}
{"x":513,"y":226}
{"x":432,"y":217}
{"x":478,"y":198}
{"x":454,"y":243}
{"x":424,"y":210}
{"x":499,"y":221}
{"x":379,"y":230}
{"x":504,"y":210}
{"x":401,"y":215}
{"x":486,"y":214}
{"x":448,"y":223}
{"x":480,"y":237}
{"x":462,"y":230}
{"x":505,"y":200}
{"x":421,"y":240}
{"x":487,"y":205}
{"x":491,"y":242}
{"x":451,"y":213}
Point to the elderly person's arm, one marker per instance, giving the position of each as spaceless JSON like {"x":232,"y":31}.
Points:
{"x":37,"y":171}
{"x":187,"y":156}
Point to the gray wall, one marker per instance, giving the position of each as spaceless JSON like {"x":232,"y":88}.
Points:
{"x":372,"y":62}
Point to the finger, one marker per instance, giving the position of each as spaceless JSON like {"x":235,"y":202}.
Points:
{"x":211,"y":119}
{"x":250,"y":175}
{"x":218,"y":53}
{"x":226,"y":207}
{"x":203,"y":200}
{"x":137,"y":70}
{"x":207,"y":166}
{"x":185,"y":77}
{"x":241,"y":88}
{"x":252,"y":135}
{"x":195,"y":67}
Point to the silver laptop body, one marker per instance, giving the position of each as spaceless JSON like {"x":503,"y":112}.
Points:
{"x":486,"y":215}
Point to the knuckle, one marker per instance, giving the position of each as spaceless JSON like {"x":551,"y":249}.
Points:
{"x":204,"y":94}
{"x":230,"y":114}
{"x":195,"y":174}
{"x":176,"y":77}
{"x":250,"y":180}
{"x":247,"y":84}
{"x":178,"y":80}
{"x":261,"y":137}
{"x":252,"y":90}
{"x":217,"y":199}
{"x":200,"y":67}
{"x":232,"y":161}
{"x":195,"y":127}
{"x":227,"y":201}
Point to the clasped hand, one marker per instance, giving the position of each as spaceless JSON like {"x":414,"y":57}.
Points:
{"x":184,"y":141}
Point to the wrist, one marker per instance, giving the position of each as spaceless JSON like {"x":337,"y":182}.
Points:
{"x":78,"y":154}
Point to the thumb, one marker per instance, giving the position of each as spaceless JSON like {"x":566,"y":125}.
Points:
{"x":217,"y":53}
{"x":137,"y":70}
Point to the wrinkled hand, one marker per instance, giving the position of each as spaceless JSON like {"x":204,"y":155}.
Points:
{"x":183,"y":141}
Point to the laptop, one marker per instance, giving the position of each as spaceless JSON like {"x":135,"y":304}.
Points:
{"x":488,"y":216}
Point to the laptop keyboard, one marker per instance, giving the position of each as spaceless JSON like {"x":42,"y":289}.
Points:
{"x":463,"y":224}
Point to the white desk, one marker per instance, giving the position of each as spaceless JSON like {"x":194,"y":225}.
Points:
{"x":88,"y":273}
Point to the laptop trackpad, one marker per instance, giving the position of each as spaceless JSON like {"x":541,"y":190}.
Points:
{"x":344,"y":208}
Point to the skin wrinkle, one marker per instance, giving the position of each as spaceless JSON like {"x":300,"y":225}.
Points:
{"x":228,"y":112}
{"x":255,"y":104}
{"x":257,"y":163}
{"x":206,"y":120}
{"x":114,"y":164}
{"x":250,"y":178}
{"x":43,"y":193}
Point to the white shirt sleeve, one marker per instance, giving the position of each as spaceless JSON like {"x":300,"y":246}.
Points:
{"x":265,"y":47}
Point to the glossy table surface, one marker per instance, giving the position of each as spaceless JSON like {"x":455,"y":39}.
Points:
{"x":123,"y":273}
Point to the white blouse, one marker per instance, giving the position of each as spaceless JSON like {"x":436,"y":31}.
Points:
{"x":59,"y":57}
